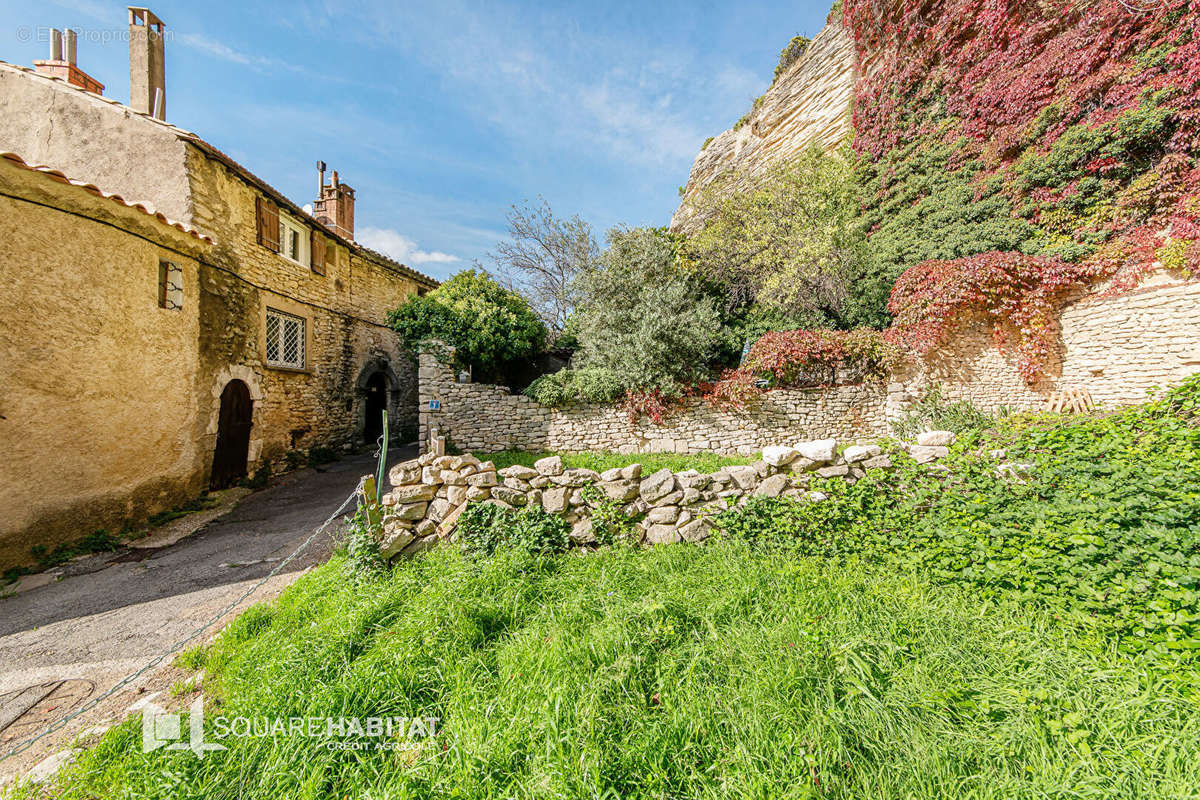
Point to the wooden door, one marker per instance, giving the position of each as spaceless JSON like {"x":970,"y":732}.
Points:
{"x":233,"y":435}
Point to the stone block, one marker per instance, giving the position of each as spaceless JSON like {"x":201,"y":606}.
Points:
{"x":818,"y":449}
{"x":509,"y":496}
{"x":550,"y":465}
{"x":518,"y":471}
{"x":662,"y":534}
{"x":779,"y":455}
{"x":878,"y":462}
{"x":555,"y":500}
{"x":860,"y":452}
{"x":619,"y":491}
{"x":482,"y":479}
{"x":477,"y":493}
{"x":664,"y":515}
{"x":772,"y":486}
{"x":935,"y":438}
{"x":836,"y":471}
{"x":923,"y":454}
{"x":394,"y":541}
{"x":657,"y":485}
{"x":412,"y":511}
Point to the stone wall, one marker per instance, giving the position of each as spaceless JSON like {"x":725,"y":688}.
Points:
{"x":430,"y":493}
{"x":484,"y":418}
{"x":100,"y":390}
{"x":1114,"y":346}
{"x":808,"y":104}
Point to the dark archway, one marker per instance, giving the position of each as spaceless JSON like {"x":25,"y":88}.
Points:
{"x":233,"y":435}
{"x":373,"y":406}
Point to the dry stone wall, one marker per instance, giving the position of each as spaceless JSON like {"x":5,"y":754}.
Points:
{"x":430,"y":493}
{"x":485,"y":419}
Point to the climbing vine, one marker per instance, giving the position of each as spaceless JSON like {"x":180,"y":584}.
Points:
{"x":1004,"y":144}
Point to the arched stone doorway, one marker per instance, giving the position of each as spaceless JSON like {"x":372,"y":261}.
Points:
{"x":233,"y":435}
{"x":376,"y":388}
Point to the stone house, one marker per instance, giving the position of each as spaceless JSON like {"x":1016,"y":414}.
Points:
{"x":199,"y":328}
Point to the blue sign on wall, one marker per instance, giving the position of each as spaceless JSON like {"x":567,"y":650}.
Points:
{"x":435,"y":405}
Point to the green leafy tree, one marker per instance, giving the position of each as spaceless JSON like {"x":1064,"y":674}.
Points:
{"x":788,"y":240}
{"x":487,"y":324}
{"x":644,"y":318}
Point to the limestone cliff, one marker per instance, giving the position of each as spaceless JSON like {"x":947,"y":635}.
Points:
{"x":810,"y":102}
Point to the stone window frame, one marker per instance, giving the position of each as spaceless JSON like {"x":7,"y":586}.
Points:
{"x":288,"y":308}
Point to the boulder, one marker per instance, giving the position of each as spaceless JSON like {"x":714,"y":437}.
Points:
{"x":744,"y":477}
{"x":662,"y":534}
{"x":802,"y":465}
{"x":476,"y":493}
{"x":581,"y":532}
{"x":657,"y":485}
{"x":395,"y":541}
{"x":610,"y":475}
{"x":672,"y":499}
{"x":818,"y":449}
{"x":779,"y":455}
{"x":412,"y":511}
{"x":509,"y":496}
{"x":456,"y":495}
{"x":426,"y":527}
{"x":619,"y":491}
{"x":693,"y":480}
{"x":452,"y":477}
{"x":816,"y":497}
{"x":935,"y":438}
{"x":482,"y":479}
{"x":451,"y":521}
{"x":861,"y":452}
{"x":518,"y":471}
{"x":431,"y":475}
{"x":690,"y":496}
{"x":416,"y":493}
{"x":697,"y":530}
{"x":517,"y":484}
{"x":549,"y":466}
{"x":420,"y":545}
{"x":878,"y":462}
{"x":555,"y":500}
{"x":576,"y":477}
{"x":836,"y":471}
{"x":632,"y":472}
{"x":772,"y":486}
{"x":438,"y":510}
{"x":925,"y":454}
{"x":664,"y":515}
{"x":540,"y":482}
{"x":405,"y":473}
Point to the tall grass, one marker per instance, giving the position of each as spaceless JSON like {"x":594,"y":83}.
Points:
{"x":685,"y":671}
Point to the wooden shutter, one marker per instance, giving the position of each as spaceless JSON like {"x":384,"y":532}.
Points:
{"x":268,"y":223}
{"x":318,"y":253}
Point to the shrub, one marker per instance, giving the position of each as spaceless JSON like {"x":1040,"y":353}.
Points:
{"x":790,"y":54}
{"x":487,"y":324}
{"x":570,"y":386}
{"x":610,"y":524}
{"x":485,"y":528}
{"x":645,"y":320}
{"x":361,"y":548}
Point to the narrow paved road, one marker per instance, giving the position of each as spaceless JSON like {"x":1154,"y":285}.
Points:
{"x":104,"y":624}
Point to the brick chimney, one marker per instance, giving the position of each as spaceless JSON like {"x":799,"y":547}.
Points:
{"x":61,"y":63}
{"x":334,"y":206}
{"x":147,"y":67}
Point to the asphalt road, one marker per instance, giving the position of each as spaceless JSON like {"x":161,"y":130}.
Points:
{"x":114,"y":612}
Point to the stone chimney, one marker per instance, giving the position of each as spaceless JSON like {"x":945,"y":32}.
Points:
{"x":334,"y":206}
{"x":61,"y":63}
{"x":147,"y":67}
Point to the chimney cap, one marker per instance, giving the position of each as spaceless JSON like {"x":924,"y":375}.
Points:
{"x":139,"y":15}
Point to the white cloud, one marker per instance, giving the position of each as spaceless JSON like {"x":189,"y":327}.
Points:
{"x":212,"y":47}
{"x":400,"y":247}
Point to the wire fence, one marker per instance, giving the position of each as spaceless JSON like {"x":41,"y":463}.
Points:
{"x":380,"y":454}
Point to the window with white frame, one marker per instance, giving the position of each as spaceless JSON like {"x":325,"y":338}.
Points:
{"x":285,"y":340}
{"x":293,"y":240}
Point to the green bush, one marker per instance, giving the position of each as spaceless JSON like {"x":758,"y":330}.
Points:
{"x":487,"y":324}
{"x":361,"y":549}
{"x":571,"y":386}
{"x":644,"y":319}
{"x":485,"y":528}
{"x":610,"y":524}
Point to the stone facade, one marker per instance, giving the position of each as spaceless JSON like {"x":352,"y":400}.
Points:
{"x":351,"y":357}
{"x":102,"y":403}
{"x":484,"y":418}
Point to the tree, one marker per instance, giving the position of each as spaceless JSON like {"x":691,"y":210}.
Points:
{"x":487,"y":324}
{"x":543,"y":258}
{"x":644,"y":318}
{"x":788,"y":240}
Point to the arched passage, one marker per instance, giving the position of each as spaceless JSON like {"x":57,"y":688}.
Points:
{"x":233,"y":435}
{"x":373,"y":406}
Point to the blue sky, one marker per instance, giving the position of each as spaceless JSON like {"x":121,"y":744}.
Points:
{"x":441,"y":114}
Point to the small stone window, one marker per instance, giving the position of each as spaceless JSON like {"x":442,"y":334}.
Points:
{"x":170,"y":285}
{"x":285,"y":340}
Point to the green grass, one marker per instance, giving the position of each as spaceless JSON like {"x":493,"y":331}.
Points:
{"x":600,"y":461}
{"x":685,"y":671}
